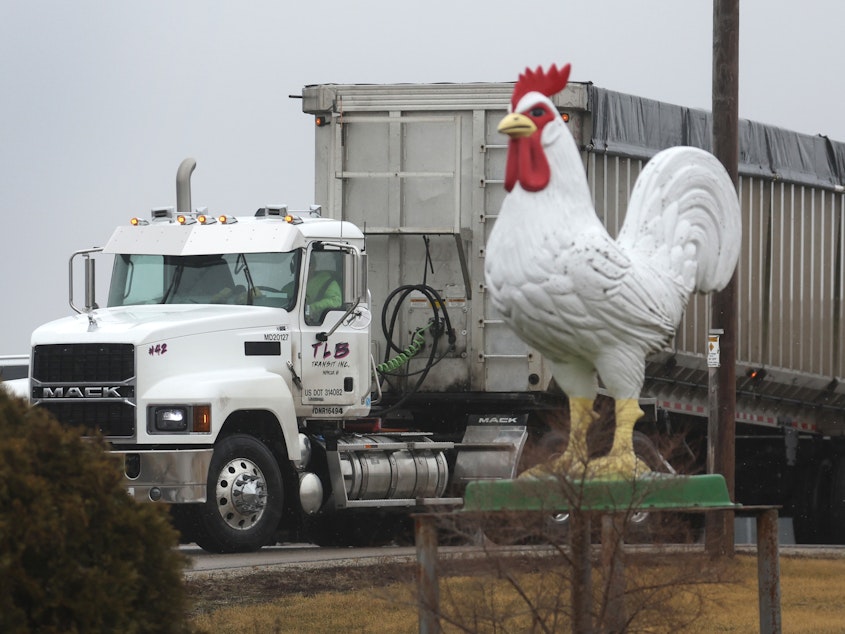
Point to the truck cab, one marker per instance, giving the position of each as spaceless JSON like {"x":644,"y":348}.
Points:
{"x":221,"y":337}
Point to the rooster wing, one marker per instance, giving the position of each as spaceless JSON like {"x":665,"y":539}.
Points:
{"x":579,"y":297}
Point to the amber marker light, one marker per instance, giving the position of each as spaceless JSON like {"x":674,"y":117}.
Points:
{"x":202,"y":419}
{"x":182,"y":219}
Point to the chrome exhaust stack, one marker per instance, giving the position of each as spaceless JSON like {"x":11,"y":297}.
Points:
{"x":183,"y":186}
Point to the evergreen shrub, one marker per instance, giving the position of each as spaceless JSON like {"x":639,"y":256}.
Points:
{"x":77,"y":554}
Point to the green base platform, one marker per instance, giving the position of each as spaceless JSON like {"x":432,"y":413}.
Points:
{"x":555,"y":494}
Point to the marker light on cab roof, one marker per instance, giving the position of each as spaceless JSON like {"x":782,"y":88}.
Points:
{"x":227,"y":220}
{"x":136,"y":222}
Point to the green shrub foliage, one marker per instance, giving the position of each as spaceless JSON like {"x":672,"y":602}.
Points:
{"x":77,"y":554}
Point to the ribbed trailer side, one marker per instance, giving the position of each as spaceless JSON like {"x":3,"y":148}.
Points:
{"x":420,"y":167}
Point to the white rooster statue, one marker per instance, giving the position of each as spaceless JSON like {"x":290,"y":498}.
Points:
{"x":590,"y":304}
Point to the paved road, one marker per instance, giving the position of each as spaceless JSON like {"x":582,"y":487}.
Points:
{"x":311,"y":556}
{"x":296,"y":555}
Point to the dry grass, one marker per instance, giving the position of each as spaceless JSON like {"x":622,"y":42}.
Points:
{"x":812,"y":598}
{"x":813,"y":601}
{"x":328,"y":613}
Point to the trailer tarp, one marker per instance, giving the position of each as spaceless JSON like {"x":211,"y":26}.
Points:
{"x":637,"y":127}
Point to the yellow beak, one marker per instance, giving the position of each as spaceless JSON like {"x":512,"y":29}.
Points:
{"x":517,"y":126}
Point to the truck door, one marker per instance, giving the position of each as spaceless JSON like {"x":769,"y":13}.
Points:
{"x":335,"y":347}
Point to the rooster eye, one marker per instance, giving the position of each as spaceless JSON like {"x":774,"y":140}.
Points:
{"x":538,"y":112}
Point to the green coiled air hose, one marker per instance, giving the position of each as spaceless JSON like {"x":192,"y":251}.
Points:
{"x":417,"y":342}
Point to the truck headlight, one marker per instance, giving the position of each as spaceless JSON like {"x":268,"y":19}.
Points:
{"x":171,"y":419}
{"x":174,"y":419}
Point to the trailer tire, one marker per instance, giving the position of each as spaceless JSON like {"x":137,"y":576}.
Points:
{"x":244,"y":500}
{"x":644,"y":527}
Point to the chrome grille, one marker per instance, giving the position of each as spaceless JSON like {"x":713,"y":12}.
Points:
{"x":87,"y":385}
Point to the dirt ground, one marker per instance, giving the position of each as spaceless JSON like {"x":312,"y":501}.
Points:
{"x":210,"y":592}
{"x":213,"y":591}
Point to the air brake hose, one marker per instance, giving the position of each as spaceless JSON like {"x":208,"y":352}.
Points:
{"x":437,"y":330}
{"x":405,"y":356}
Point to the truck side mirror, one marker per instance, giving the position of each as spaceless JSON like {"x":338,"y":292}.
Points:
{"x":360,"y":280}
{"x":90,"y":280}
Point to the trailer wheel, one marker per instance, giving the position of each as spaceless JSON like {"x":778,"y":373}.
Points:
{"x":244,"y":499}
{"x":645,"y":527}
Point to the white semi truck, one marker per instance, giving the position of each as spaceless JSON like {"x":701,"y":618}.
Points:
{"x":232,"y":371}
{"x":323,"y":372}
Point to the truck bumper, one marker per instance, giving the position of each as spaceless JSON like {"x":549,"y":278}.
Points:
{"x":175,"y":476}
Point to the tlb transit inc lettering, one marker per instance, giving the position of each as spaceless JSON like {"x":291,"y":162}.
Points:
{"x":329,"y":357}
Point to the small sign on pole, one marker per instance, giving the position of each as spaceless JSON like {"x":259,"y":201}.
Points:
{"x":713,"y":348}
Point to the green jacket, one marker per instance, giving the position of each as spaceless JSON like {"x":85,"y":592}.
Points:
{"x":322,"y":293}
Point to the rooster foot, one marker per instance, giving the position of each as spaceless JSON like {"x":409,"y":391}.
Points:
{"x":617,"y":466}
{"x":557,"y":466}
{"x":566,"y":465}
{"x":540,"y":471}
{"x":621,"y":463}
{"x":572,"y":462}
{"x":622,"y":466}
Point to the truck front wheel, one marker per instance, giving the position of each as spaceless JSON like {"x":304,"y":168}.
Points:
{"x":244,"y":498}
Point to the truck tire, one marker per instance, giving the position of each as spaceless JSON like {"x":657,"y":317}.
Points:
{"x":244,"y":499}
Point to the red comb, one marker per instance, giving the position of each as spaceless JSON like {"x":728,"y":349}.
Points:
{"x":548,"y":83}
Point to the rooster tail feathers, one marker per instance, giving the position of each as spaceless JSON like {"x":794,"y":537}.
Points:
{"x":684,"y":215}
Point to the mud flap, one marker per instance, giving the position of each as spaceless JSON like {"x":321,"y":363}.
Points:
{"x":491,"y":448}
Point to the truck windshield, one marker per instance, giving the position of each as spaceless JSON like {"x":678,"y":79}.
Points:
{"x":260,"y":279}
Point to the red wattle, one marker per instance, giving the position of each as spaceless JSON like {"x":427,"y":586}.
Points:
{"x":527,"y":165}
{"x":534,"y":171}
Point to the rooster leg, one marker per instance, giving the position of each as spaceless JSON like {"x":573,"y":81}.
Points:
{"x":621,"y":461}
{"x":573,"y":461}
{"x":575,"y":377}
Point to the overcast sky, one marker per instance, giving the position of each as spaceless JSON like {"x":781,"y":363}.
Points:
{"x":100,"y":101}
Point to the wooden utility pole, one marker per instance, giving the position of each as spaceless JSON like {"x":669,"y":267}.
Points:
{"x":722,"y":426}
